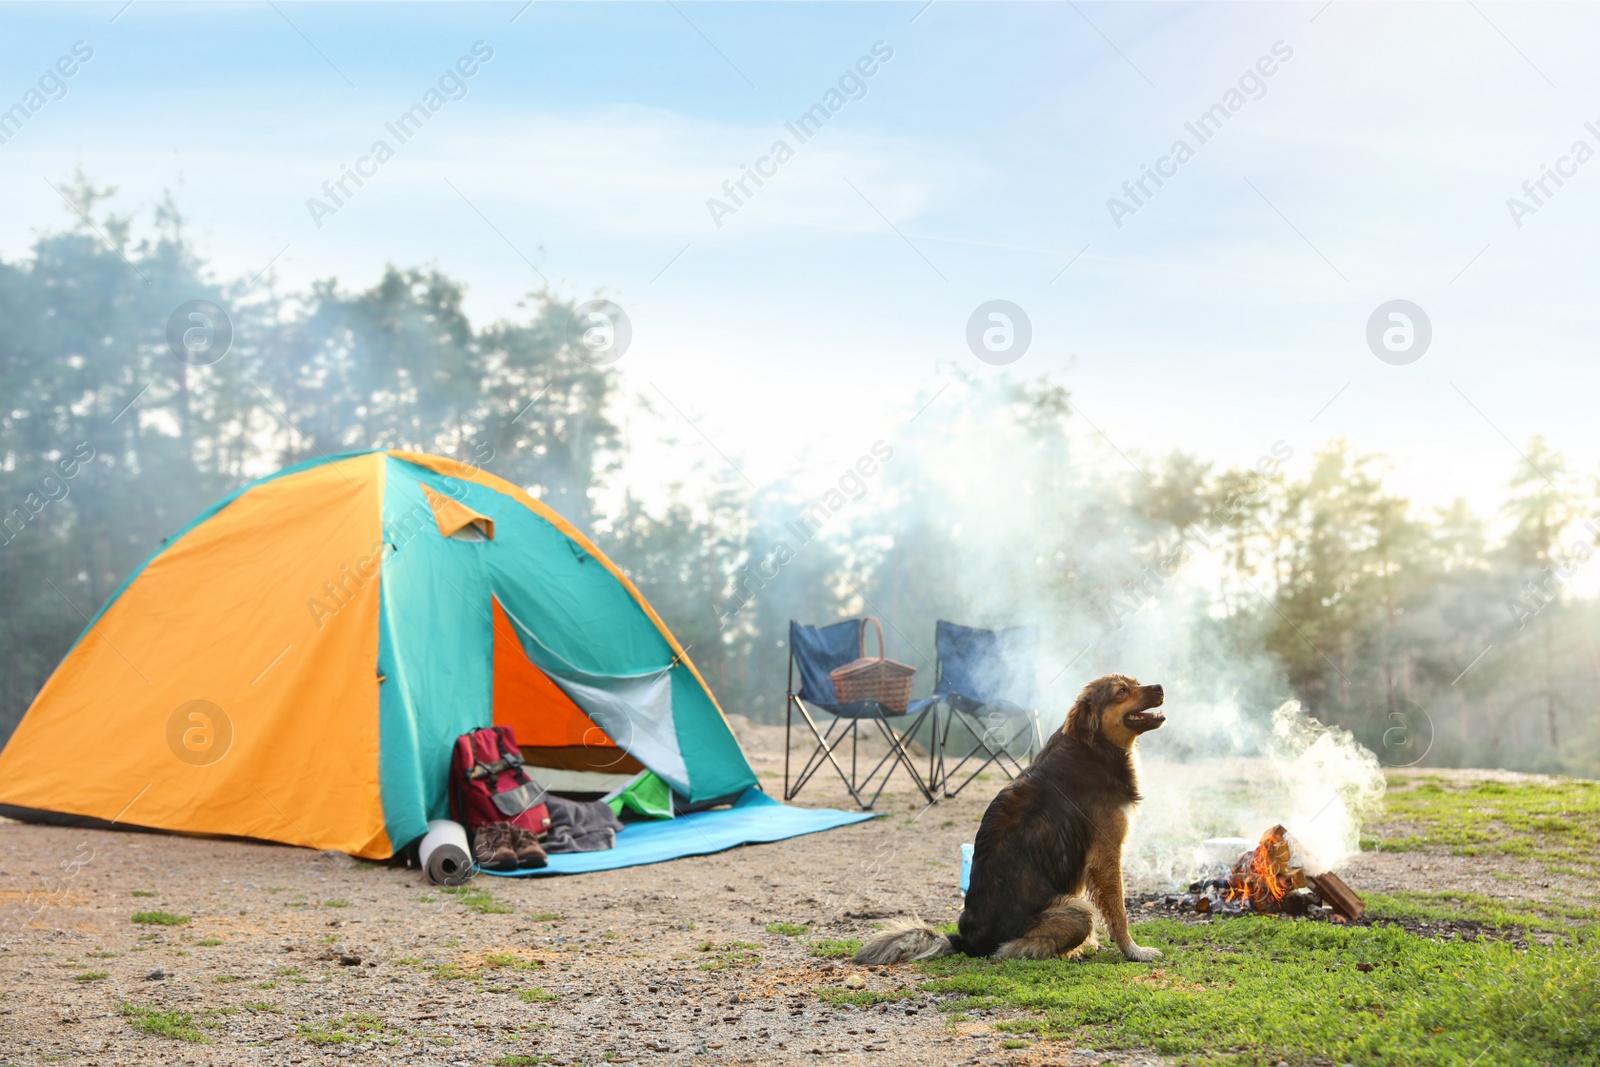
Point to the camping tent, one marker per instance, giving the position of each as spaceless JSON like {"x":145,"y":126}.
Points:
{"x":295,"y":664}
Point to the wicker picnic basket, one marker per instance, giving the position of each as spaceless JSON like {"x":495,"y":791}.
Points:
{"x":880,"y":679}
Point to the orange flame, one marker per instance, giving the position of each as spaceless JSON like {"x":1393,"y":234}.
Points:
{"x":1261,"y":875}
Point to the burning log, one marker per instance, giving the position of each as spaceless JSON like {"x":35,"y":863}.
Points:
{"x":1338,"y":896}
{"x":1262,"y":879}
{"x":1265,"y":880}
{"x":1263,"y":876}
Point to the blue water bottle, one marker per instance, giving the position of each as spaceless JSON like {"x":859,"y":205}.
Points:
{"x":966,"y":866}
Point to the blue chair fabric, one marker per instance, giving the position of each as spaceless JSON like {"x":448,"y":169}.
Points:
{"x":986,"y":680}
{"x":815,"y":651}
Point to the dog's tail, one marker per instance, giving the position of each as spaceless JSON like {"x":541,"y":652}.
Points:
{"x":906,"y":940}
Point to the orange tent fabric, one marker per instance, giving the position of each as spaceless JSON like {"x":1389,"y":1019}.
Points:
{"x":209,"y":734}
{"x":530,"y":703}
{"x":452,"y":515}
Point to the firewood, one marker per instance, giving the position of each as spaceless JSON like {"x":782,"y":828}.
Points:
{"x":1337,"y":895}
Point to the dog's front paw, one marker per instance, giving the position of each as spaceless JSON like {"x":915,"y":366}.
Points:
{"x":1140,"y":954}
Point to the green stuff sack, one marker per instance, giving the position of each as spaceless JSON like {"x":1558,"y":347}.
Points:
{"x":646,"y":795}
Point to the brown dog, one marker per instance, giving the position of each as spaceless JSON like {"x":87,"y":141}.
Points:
{"x":1048,"y":839}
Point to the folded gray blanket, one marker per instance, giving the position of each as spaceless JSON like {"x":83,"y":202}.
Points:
{"x":580,"y":825}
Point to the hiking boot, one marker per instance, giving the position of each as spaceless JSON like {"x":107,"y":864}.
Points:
{"x":525,"y":843}
{"x":492,"y":848}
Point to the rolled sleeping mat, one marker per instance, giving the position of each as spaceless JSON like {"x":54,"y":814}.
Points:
{"x":445,"y":854}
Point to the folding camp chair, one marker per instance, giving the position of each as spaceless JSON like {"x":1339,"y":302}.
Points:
{"x":814,"y":651}
{"x":985,"y":681}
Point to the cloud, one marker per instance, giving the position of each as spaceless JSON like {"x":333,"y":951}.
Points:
{"x":647,"y":172}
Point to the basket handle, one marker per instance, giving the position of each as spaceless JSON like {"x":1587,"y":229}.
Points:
{"x":862,"y":650}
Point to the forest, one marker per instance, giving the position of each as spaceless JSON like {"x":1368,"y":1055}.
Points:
{"x":1439,"y":636}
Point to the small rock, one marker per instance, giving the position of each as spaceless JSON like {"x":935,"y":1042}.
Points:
{"x":156,"y":975}
{"x":855,"y":981}
{"x":350,"y":961}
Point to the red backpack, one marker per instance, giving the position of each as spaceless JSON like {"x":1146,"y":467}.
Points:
{"x":488,"y":784}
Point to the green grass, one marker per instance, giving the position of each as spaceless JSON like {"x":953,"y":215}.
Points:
{"x":537,"y":996}
{"x":520,"y":1059}
{"x":1557,"y":821}
{"x":208,"y":942}
{"x":178,"y":1025}
{"x":730,"y":954}
{"x":264,"y":1006}
{"x":1253,"y":990}
{"x":343,"y":1029}
{"x":478,"y":900}
{"x":787,"y":929}
{"x":159,"y":918}
{"x":1448,"y":904}
{"x":545,"y":916}
{"x":144,"y":893}
{"x":511,"y":960}
{"x":91,"y":976}
{"x":863,"y":998}
{"x":335,"y":903}
{"x":827,"y":948}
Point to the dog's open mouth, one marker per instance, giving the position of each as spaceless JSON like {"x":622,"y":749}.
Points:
{"x":1141,"y":721}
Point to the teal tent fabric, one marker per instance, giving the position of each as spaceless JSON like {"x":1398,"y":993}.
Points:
{"x":576,"y":622}
{"x":435,"y":648}
{"x":754,"y":818}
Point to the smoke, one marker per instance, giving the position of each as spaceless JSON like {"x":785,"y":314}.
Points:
{"x":1235,"y":775}
{"x":1008,"y":511}
{"x":1234,"y":757}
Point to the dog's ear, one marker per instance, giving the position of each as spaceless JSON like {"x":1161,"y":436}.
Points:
{"x":1083,"y":721}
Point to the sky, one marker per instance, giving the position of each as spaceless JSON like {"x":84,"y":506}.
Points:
{"x":1218,"y":312}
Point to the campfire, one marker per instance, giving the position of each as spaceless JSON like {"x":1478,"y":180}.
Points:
{"x":1266,"y":880}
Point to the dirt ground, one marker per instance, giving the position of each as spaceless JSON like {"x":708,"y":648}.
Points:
{"x":296,"y":957}
{"x":670,"y":964}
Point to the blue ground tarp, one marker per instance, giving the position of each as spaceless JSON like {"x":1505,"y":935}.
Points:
{"x":754,"y":818}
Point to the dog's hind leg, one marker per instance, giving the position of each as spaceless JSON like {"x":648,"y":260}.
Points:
{"x":1090,"y":946}
{"x":1061,"y":928}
